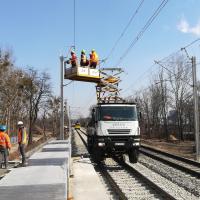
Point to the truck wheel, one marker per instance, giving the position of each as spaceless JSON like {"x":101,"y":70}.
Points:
{"x":133,"y":155}
{"x":122,"y":158}
{"x":89,"y":143}
{"x":97,"y":156}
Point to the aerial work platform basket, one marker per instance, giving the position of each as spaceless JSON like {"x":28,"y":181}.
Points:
{"x":85,"y":74}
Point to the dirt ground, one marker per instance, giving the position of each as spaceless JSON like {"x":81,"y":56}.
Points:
{"x":14,"y":153}
{"x":185,"y":149}
{"x":37,"y":140}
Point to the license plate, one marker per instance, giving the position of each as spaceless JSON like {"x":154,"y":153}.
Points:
{"x":119,"y":144}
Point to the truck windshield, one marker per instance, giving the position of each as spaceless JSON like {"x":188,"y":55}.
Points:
{"x":118,"y":113}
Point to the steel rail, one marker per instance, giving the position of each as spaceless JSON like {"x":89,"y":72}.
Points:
{"x":150,"y":183}
{"x":100,"y":167}
{"x":192,"y":168}
{"x":82,"y":139}
{"x":116,"y":188}
{"x":112,"y":182}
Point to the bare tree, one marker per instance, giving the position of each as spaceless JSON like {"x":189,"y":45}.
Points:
{"x":180,"y":89}
{"x":54,"y":111}
{"x":163,"y":102}
{"x":36,"y":88}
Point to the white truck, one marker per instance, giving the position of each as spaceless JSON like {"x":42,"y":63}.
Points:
{"x":114,"y":129}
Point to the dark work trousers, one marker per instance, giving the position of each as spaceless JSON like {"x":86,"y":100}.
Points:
{"x":4,"y":153}
{"x":84,"y":64}
{"x":93,"y":65}
{"x":22,"y":152}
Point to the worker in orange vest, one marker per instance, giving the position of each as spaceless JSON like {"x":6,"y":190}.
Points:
{"x":22,"y":140}
{"x":5,"y":144}
{"x":94,"y":59}
{"x":73,"y":59}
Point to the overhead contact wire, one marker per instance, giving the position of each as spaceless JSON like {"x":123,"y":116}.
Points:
{"x":74,"y":24}
{"x":146,"y":26}
{"x":162,"y":60}
{"x":125,"y":29}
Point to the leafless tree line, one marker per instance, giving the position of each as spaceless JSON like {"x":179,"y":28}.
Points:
{"x":26,"y":95}
{"x":167,"y":103}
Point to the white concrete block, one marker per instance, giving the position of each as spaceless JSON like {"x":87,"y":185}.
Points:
{"x":56,"y":147}
{"x":49,"y":158}
{"x":59,"y":142}
{"x":35,"y":175}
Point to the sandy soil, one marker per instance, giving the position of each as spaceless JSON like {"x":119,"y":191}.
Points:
{"x":184,"y":149}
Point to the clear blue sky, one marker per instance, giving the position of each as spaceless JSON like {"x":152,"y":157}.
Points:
{"x":38,"y":31}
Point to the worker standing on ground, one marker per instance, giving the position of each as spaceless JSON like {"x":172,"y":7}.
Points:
{"x":84,"y":61}
{"x":73,"y":59}
{"x":22,"y":140}
{"x":94,"y":59}
{"x":5,"y":144}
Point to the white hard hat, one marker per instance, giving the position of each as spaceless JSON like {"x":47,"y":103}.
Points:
{"x":20,"y":123}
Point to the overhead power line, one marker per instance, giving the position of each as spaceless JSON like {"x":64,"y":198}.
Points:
{"x":190,"y":44}
{"x":124,"y":30}
{"x":74,"y":24}
{"x":160,"y":61}
{"x":146,"y":26}
{"x":157,"y":62}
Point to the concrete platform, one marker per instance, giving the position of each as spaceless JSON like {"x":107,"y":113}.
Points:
{"x":56,"y":147}
{"x":49,"y":158}
{"x":45,"y":178}
{"x":59,"y":142}
{"x":86,"y":183}
{"x":34,"y":175}
{"x":35,"y":183}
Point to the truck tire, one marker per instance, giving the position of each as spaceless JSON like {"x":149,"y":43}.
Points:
{"x":122,"y":158}
{"x":133,"y":155}
{"x":97,"y":155}
{"x":89,"y":143}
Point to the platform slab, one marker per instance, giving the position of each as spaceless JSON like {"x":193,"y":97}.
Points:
{"x":86,"y":184}
{"x":34,"y":183}
{"x":35,"y":175}
{"x":45,"y":178}
{"x":59,"y":142}
{"x":56,"y":147}
{"x":34,"y":192}
{"x":49,"y":158}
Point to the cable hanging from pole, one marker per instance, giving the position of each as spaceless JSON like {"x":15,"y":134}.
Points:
{"x":74,"y":25}
{"x":146,"y":26}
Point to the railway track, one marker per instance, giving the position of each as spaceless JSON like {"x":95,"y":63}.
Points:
{"x":188,"y":166}
{"x":84,"y":140}
{"x":130,"y":183}
{"x":136,"y":181}
{"x":127,"y":182}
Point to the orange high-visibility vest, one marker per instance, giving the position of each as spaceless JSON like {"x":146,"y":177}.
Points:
{"x":4,"y":140}
{"x":22,"y":136}
{"x":73,"y":58}
{"x":94,"y":57}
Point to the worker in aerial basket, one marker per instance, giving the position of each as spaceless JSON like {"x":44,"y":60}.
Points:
{"x":94,"y":59}
{"x":84,"y":61}
{"x":5,"y":144}
{"x":73,"y":59}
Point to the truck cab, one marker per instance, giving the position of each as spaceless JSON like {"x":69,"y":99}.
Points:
{"x":114,"y":129}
